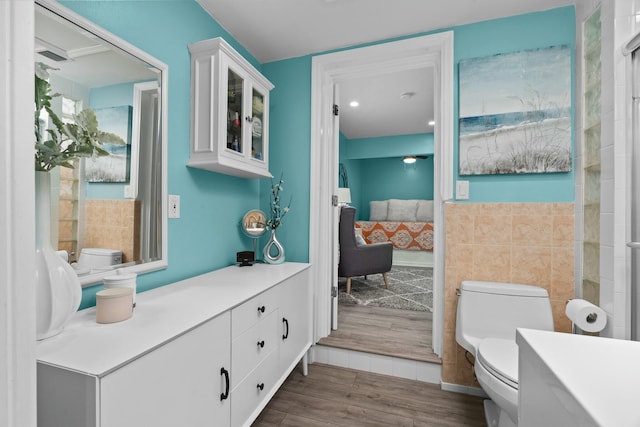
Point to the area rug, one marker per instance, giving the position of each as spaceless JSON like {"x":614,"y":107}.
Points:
{"x":410,"y":288}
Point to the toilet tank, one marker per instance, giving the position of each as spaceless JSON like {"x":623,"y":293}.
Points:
{"x":95,"y":258}
{"x":495,"y":310}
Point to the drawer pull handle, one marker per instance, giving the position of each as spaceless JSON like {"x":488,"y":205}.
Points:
{"x":225,"y":395}
{"x":261,"y":386}
{"x":261,"y":309}
{"x":261,"y":344}
{"x":286,"y":324}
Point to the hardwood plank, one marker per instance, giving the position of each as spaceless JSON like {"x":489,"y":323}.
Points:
{"x":332,"y":396}
{"x":386,"y":331}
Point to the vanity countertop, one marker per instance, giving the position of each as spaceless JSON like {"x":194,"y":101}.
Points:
{"x":577,"y":380}
{"x":161,"y":315}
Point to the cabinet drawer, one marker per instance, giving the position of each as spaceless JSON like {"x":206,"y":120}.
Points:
{"x":251,"y":312}
{"x":253,"y":346}
{"x":247,"y":398}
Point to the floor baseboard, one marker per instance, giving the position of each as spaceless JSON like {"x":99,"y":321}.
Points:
{"x":412,"y":258}
{"x":464,"y":389}
{"x":379,"y":364}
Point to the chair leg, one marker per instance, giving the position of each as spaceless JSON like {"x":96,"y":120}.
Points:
{"x":386,"y":280}
{"x":348,"y":285}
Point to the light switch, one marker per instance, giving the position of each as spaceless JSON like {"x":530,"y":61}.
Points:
{"x":462,"y":190}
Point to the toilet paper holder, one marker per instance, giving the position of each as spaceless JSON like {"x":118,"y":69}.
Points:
{"x":589,"y":320}
{"x":591,"y":317}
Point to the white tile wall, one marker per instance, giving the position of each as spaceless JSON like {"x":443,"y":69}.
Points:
{"x":385,"y":365}
{"x":619,"y":24}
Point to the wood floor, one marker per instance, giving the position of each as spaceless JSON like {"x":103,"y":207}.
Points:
{"x":390,"y":332}
{"x":332,"y":396}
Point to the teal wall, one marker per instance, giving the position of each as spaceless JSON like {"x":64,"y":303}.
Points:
{"x":376,"y":171}
{"x":389,"y":146}
{"x":390,"y":178}
{"x":536,"y":30}
{"x":354,"y":174}
{"x":290,"y":150}
{"x":208,"y":235}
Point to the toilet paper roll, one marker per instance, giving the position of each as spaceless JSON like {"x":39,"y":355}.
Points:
{"x":586,"y":316}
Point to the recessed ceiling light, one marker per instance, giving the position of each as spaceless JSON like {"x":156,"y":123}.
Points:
{"x":407,"y":95}
{"x":432,"y":122}
{"x":354,"y":103}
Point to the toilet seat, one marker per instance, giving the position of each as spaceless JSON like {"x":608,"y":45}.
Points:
{"x":500,"y":358}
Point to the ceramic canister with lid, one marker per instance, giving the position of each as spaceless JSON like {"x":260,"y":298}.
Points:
{"x":122,"y":280}
{"x":114,"y":305}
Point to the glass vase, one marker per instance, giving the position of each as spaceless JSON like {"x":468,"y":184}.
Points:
{"x":58,"y":289}
{"x":273,"y":251}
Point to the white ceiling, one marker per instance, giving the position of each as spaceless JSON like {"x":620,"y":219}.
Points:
{"x":278,"y":29}
{"x":92,"y":62}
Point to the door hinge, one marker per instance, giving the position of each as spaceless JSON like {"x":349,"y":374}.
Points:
{"x":334,"y":291}
{"x":334,"y":200}
{"x":335,"y":109}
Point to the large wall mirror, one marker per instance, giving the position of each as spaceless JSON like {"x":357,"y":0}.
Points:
{"x":108,"y":212}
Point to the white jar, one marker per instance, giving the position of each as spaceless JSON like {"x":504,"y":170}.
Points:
{"x":122,"y":280}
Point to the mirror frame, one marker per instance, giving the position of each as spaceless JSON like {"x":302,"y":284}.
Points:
{"x":253,"y":235}
{"x":120,"y":44}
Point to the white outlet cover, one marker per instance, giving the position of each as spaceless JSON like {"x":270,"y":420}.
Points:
{"x":174,"y":206}
{"x":462,"y":190}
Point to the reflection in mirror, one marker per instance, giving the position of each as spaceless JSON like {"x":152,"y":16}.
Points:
{"x":107,"y":212}
{"x":254,"y":225}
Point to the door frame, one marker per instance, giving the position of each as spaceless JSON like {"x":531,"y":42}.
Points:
{"x":17,"y":218}
{"x":434,"y":50}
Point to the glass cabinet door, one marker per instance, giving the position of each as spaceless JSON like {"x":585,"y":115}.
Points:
{"x":234,"y":111}
{"x":257,"y":120}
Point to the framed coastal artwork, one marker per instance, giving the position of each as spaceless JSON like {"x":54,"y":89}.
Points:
{"x":515,"y":113}
{"x":116,"y":166}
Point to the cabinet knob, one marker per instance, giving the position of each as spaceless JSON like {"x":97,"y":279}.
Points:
{"x":261,"y":344}
{"x":261,"y":386}
{"x":261,"y":309}
{"x":249,"y":119}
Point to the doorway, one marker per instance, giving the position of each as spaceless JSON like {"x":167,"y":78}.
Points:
{"x":428,"y":51}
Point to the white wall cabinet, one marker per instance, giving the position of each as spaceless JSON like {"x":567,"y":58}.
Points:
{"x":230,"y":112}
{"x":207,"y":351}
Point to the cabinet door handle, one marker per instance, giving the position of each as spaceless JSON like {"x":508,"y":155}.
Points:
{"x":286,"y":324}
{"x":225,"y":395}
{"x":261,"y":386}
{"x":261,"y":309}
{"x":261,"y":344}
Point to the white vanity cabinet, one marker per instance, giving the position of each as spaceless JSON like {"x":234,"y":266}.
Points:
{"x":206,"y":351}
{"x":183,"y":382}
{"x":230,"y":112}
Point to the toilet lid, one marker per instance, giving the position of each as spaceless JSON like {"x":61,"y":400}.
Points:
{"x":500,"y":357}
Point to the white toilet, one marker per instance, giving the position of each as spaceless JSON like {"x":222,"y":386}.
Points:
{"x":487,"y":318}
{"x":99,"y":258}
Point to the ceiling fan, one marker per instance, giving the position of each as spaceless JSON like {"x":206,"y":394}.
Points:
{"x":412,"y":159}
